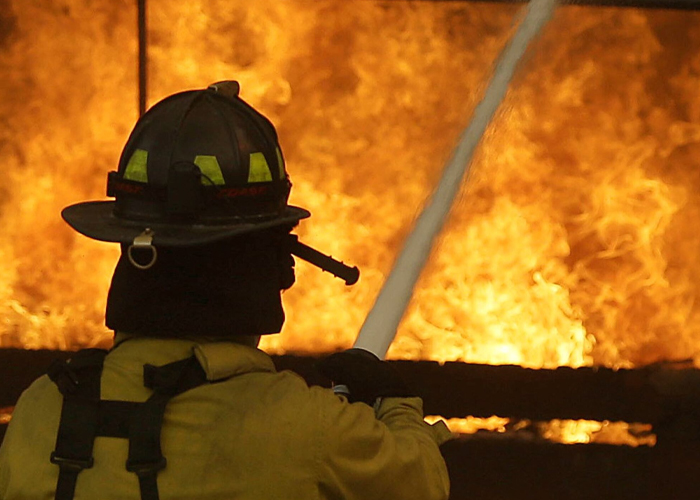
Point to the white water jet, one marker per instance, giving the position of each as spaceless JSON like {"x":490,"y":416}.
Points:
{"x":379,"y":328}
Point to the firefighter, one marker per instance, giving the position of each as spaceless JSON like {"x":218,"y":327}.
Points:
{"x":184,"y":405}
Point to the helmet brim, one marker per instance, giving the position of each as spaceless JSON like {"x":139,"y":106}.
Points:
{"x":96,"y":220}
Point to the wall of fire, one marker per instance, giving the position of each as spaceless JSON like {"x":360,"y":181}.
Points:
{"x":572,"y":244}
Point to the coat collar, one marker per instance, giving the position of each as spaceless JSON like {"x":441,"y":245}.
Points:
{"x":219,"y":359}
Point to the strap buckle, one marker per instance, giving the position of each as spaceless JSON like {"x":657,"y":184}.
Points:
{"x":146,"y":468}
{"x":71,"y":464}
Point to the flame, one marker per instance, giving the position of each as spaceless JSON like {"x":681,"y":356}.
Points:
{"x":572,"y":243}
{"x":587,"y":431}
{"x":471,"y":425}
{"x":6,"y":415}
{"x":567,"y":247}
{"x":558,"y":431}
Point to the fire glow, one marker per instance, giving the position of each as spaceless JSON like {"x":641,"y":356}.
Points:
{"x":573,"y":241}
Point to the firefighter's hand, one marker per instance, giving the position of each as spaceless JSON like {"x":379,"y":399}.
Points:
{"x":365,"y":375}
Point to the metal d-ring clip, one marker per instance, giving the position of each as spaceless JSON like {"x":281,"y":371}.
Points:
{"x":341,"y":390}
{"x":142,"y":242}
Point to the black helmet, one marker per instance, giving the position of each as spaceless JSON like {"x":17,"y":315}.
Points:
{"x":199,"y":166}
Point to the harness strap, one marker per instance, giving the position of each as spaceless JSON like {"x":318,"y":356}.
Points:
{"x":146,"y":459}
{"x":84,"y":416}
{"x":79,"y":381}
{"x":116,"y":417}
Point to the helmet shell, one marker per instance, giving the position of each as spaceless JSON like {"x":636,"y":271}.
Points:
{"x":199,"y":166}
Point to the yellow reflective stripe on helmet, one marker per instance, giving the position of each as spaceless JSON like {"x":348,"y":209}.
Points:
{"x":280,"y":162}
{"x":210,"y":167}
{"x":136,"y":168}
{"x":259,"y":169}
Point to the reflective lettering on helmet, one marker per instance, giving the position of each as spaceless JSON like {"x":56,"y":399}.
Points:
{"x":210,"y":167}
{"x":242,"y":191}
{"x":259,"y":169}
{"x":280,"y":162}
{"x":136,"y":168}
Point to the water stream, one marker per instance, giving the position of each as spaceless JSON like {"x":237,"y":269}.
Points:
{"x":380,"y":326}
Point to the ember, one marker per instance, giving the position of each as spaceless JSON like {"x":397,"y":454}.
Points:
{"x":5,"y":415}
{"x":570,"y":246}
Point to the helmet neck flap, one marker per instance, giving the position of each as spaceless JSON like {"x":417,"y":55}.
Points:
{"x":222,"y":290}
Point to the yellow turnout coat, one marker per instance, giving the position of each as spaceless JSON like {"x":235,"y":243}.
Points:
{"x":258,"y":434}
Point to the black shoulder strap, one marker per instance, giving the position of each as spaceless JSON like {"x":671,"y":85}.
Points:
{"x":85,"y":416}
{"x":78,"y":379}
{"x":146,"y":459}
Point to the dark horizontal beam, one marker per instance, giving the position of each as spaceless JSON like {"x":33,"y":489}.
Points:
{"x":638,"y":4}
{"x":665,"y":396}
{"x":640,"y":395}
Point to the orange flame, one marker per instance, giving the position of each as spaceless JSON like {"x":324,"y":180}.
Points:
{"x":572,"y":243}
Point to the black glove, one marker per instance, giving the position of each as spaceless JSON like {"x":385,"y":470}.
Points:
{"x":366,"y":376}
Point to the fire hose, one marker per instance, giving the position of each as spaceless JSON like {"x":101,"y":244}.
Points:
{"x":381,"y":324}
